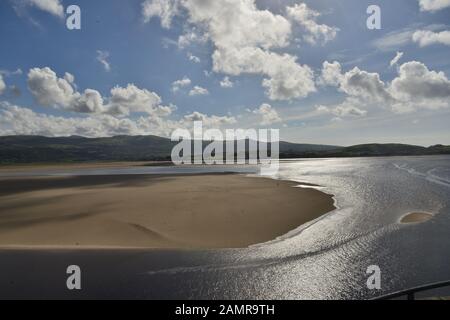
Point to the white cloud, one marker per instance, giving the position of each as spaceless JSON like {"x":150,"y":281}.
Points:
{"x":190,"y":38}
{"x":132,"y":99}
{"x":415,"y":87}
{"x":90,"y":101}
{"x":164,"y":9}
{"x":226,"y":83}
{"x":286,"y":78}
{"x":394,"y":40}
{"x":53,"y":7}
{"x":208,"y":121}
{"x":418,"y":87}
{"x":61,"y":93}
{"x":269,"y":115}
{"x":426,"y":38}
{"x":360,"y":83}
{"x":355,"y":82}
{"x":399,"y":38}
{"x":306,"y":17}
{"x":433,"y":5}
{"x":331,"y":74}
{"x":102,"y":57}
{"x":176,"y":85}
{"x":243,"y":37}
{"x":2,"y":85}
{"x":238,"y":23}
{"x":49,"y":90}
{"x":15,"y":120}
{"x":11,"y":73}
{"x":396,"y":59}
{"x":347,"y":108}
{"x":193,"y":58}
{"x":198,"y":91}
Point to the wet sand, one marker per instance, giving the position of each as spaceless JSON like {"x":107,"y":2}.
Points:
{"x":152,"y":211}
{"x":78,"y":165}
{"x":416,"y":217}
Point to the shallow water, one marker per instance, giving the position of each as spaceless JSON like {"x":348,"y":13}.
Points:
{"x":327,"y":258}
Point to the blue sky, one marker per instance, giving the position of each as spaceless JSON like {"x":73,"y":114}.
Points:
{"x":249,"y":64}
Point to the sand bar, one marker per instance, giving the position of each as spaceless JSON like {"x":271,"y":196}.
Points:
{"x":153,"y":211}
{"x":416,"y":217}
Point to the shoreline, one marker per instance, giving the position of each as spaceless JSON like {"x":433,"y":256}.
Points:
{"x":125,"y":212}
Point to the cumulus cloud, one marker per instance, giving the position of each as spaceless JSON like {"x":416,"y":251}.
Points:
{"x":415,"y":87}
{"x":186,"y":82}
{"x":51,"y":91}
{"x":306,"y":17}
{"x":418,"y":87}
{"x":331,"y":74}
{"x":16,"y":120}
{"x":102,"y":57}
{"x":164,"y":9}
{"x":226,"y":83}
{"x":364,"y":84}
{"x":433,"y":5}
{"x":11,"y":91}
{"x":243,"y":38}
{"x":198,"y":91}
{"x":268,"y":114}
{"x":426,"y":38}
{"x":286,"y":78}
{"x":208,"y":121}
{"x":396,"y":59}
{"x":2,"y":85}
{"x":355,"y":83}
{"x":178,"y":84}
{"x":132,"y":99}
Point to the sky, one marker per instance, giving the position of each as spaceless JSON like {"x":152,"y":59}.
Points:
{"x":312,"y":69}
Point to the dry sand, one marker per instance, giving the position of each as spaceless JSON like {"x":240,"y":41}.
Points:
{"x":145,"y":211}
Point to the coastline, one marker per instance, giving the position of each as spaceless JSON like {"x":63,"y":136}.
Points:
{"x":206,"y":211}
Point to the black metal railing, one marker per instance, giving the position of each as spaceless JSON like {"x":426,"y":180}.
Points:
{"x":410,"y":294}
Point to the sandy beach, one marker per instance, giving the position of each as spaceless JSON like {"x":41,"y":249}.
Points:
{"x":152,"y":211}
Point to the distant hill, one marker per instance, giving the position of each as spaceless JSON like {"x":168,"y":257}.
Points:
{"x":372,"y":150}
{"x":36,"y":149}
{"x":31,"y":149}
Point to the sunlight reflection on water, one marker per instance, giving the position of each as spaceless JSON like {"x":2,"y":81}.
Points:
{"x":326,"y":258}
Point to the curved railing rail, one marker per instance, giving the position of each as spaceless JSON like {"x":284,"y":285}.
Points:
{"x":410,"y":294}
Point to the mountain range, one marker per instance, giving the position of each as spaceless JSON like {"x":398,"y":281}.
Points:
{"x":38,"y":149}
